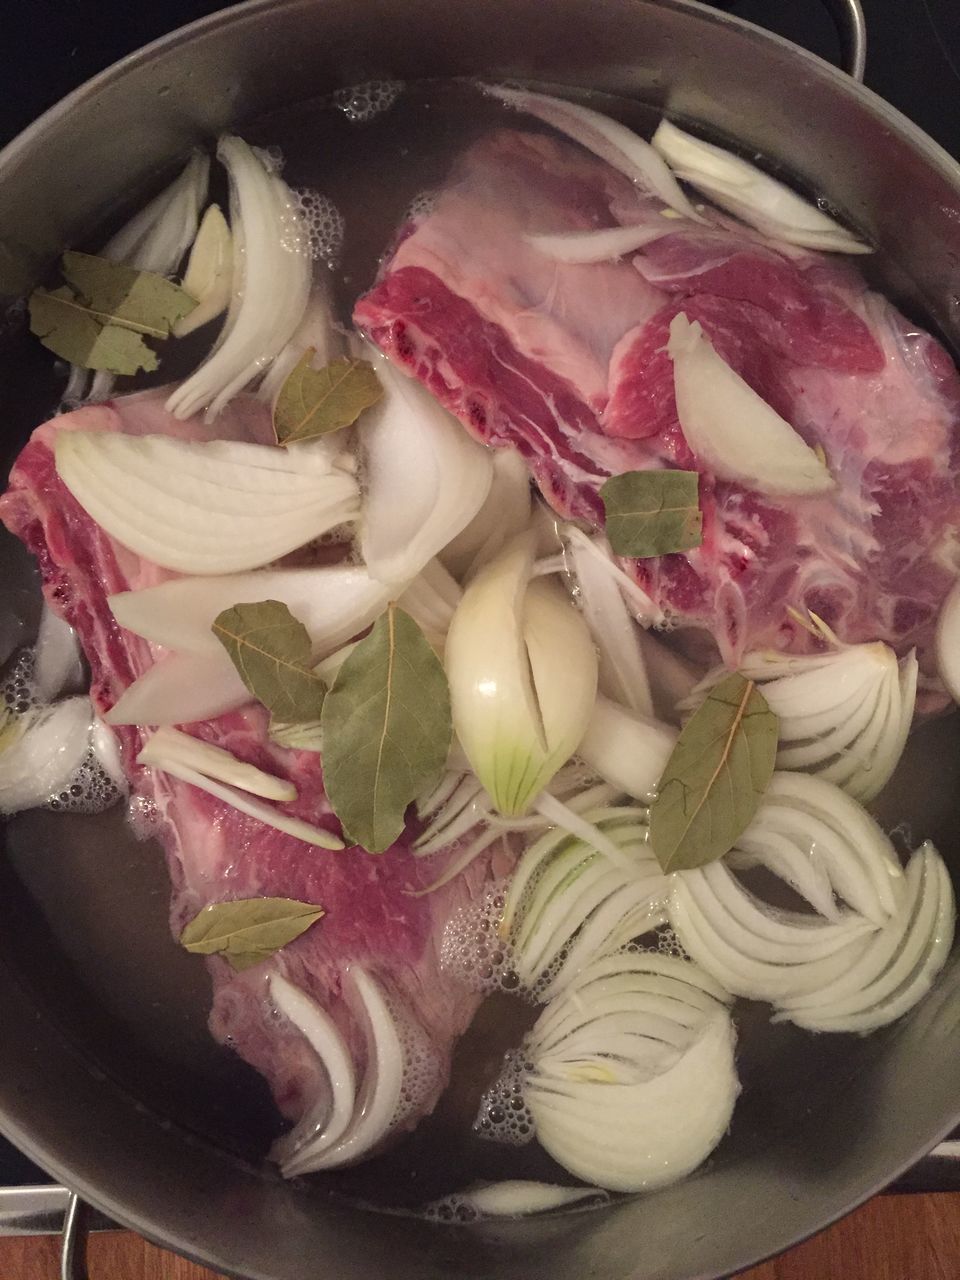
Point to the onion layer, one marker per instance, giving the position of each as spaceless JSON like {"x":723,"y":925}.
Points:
{"x":203,"y":507}
{"x":763,"y":202}
{"x":844,"y":715}
{"x":632,"y":1081}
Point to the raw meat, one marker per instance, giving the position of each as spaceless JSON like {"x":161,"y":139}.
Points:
{"x":567,"y":365}
{"x":216,"y":853}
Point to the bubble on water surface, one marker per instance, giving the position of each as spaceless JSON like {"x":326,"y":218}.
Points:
{"x":361,"y":103}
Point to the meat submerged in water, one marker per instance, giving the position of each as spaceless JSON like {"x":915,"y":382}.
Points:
{"x":568,"y":364}
{"x":215,"y":852}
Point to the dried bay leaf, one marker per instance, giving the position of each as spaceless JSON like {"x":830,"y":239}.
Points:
{"x":248,"y":930}
{"x":652,"y":513}
{"x":314,"y":402}
{"x":100,"y":320}
{"x":716,"y":776}
{"x":270,"y":649}
{"x":386,"y":729}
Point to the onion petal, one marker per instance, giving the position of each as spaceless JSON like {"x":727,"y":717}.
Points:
{"x":629,"y":750}
{"x":214,"y":762}
{"x":613,"y":142}
{"x":426,"y":478}
{"x":209,"y":507}
{"x":743,"y":189}
{"x":272,"y":271}
{"x":730,"y":428}
{"x":334,"y":603}
{"x":179,"y":689}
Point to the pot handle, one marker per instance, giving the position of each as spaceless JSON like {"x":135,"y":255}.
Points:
{"x":852,"y":25}
{"x":73,"y":1248}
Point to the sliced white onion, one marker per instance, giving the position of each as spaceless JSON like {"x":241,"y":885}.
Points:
{"x":155,"y":239}
{"x":426,"y":478}
{"x":606,"y":138}
{"x":380,"y":1094}
{"x":568,"y":903}
{"x":208,"y":278}
{"x":639,"y":1088}
{"x":897,"y":969}
{"x":272,"y":272}
{"x":41,"y":751}
{"x":214,"y":762}
{"x":431,"y":600}
{"x":844,"y":715}
{"x":629,"y":750}
{"x":326,"y":1123}
{"x":506,"y":511}
{"x":334,"y":602}
{"x":597,"y":548}
{"x":515,"y":1199}
{"x":761,"y":201}
{"x":730,"y":428}
{"x":948,"y":643}
{"x":598,"y":246}
{"x":522,"y":673}
{"x":623,"y":674}
{"x":56,"y":661}
{"x":202,"y":507}
{"x":316,"y":332}
{"x":264,"y":813}
{"x":181,"y":688}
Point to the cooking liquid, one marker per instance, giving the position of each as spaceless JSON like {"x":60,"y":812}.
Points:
{"x":84,"y":903}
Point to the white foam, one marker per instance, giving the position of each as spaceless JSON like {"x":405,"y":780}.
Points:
{"x":503,"y":1115}
{"x":324,"y":224}
{"x":90,"y":790}
{"x":421,"y":206}
{"x":361,"y":103}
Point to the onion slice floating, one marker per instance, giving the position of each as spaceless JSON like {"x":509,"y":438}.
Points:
{"x":326,"y":1122}
{"x":179,"y":689}
{"x":730,"y":428}
{"x":209,"y":275}
{"x":611,"y":141}
{"x":272,"y":271}
{"x":761,"y":201}
{"x":334,"y":602}
{"x":506,"y":512}
{"x":628,"y":750}
{"x":568,"y":903}
{"x":202,"y":507}
{"x":379,"y":1100}
{"x":214,"y":762}
{"x":844,"y":715}
{"x":948,"y":643}
{"x":426,"y":478}
{"x":632,"y":1081}
{"x":597,"y":246}
{"x":169,"y":762}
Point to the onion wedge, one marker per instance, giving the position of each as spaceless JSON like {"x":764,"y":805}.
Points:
{"x":611,"y":141}
{"x":203,"y":508}
{"x":730,"y":428}
{"x":743,"y":189}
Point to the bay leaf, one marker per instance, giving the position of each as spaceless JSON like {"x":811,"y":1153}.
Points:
{"x":101,"y":319}
{"x":716,"y":776}
{"x":314,"y":402}
{"x":270,"y":649}
{"x":386,"y":729}
{"x":67,"y":328}
{"x":248,"y":930}
{"x":652,"y":513}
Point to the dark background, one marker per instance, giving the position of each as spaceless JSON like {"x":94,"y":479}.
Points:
{"x":48,"y":47}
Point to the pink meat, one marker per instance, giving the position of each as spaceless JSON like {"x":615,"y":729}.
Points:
{"x":216,"y":853}
{"x":568,"y":365}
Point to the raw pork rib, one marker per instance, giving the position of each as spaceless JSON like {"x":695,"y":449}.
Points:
{"x":213,"y":851}
{"x":567,"y":364}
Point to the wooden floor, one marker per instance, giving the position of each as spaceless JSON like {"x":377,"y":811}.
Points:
{"x":891,"y":1238}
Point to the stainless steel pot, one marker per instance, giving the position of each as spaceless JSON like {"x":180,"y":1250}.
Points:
{"x":107,"y":1077}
